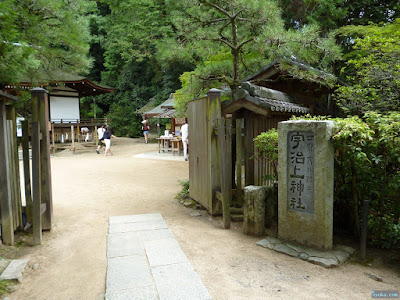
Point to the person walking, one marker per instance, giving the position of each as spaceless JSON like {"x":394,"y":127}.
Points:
{"x":107,"y":140}
{"x":100,"y":133}
{"x":185,"y":140}
{"x":145,"y":129}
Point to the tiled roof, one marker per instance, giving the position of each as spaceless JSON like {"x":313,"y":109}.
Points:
{"x":167,"y":114}
{"x":162,"y":108}
{"x":282,"y":106}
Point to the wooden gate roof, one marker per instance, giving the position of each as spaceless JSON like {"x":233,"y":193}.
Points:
{"x":82,"y":85}
{"x":265,"y":102}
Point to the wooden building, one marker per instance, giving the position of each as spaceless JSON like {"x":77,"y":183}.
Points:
{"x":260,"y":104}
{"x":164,"y":111}
{"x":64,"y":103}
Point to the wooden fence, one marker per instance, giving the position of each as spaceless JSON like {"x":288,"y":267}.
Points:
{"x":39,"y":208}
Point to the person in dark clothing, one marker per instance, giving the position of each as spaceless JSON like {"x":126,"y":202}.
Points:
{"x":107,"y":140}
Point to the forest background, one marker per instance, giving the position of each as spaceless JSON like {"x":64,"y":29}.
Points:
{"x":147,"y":49}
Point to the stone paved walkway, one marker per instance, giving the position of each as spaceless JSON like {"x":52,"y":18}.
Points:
{"x":146,"y":262}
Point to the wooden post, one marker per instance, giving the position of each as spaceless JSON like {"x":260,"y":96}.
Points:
{"x":73,"y":138}
{"x":213,"y":114}
{"x":36,"y":173}
{"x":78,"y":133}
{"x":95,"y":135}
{"x":14,"y":166}
{"x":249,"y":149}
{"x":27,"y":177}
{"x":239,"y":159}
{"x":53,"y":135}
{"x":46,"y":187}
{"x":225,"y":160}
{"x":5,"y":186}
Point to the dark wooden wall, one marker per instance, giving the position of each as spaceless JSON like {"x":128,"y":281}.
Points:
{"x":257,"y":168}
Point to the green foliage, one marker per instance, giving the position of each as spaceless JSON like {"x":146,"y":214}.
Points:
{"x":236,"y":38}
{"x":384,"y":230}
{"x":4,"y":286}
{"x":367,"y":166}
{"x":266,"y":146}
{"x":184,"y":193}
{"x":40,"y":38}
{"x":372,"y":71}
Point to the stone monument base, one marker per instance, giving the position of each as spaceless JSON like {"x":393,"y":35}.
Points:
{"x":327,"y":259}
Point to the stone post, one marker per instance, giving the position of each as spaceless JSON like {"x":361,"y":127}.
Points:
{"x":254,"y":210}
{"x":305,"y":172}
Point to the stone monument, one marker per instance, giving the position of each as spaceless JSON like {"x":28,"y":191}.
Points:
{"x":305,"y":172}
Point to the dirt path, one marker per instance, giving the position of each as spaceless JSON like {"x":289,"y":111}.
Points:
{"x":89,"y":188}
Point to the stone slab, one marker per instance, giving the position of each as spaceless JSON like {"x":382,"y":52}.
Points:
{"x":321,"y":254}
{"x":158,"y":234}
{"x":135,"y":218}
{"x":341,"y":256}
{"x":4,"y":262}
{"x":179,"y":281}
{"x":124,"y":244}
{"x":128,"y":272}
{"x":137,"y":226}
{"x":325,"y":262}
{"x":139,"y":293}
{"x":273,"y":240}
{"x":164,"y":252}
{"x":326,"y":259}
{"x":14,"y":270}
{"x":263,"y":243}
{"x":344,"y":248}
{"x":144,"y":257}
{"x":283,"y":248}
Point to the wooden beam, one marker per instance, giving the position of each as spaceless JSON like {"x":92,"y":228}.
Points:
{"x":73,"y":138}
{"x":36,"y":172}
{"x":53,"y":138}
{"x":225,"y":164}
{"x":213,"y":115}
{"x":249,"y":148}
{"x":40,"y":97}
{"x":27,"y":172}
{"x":5,"y":186}
{"x":239,"y":160}
{"x":14,"y":164}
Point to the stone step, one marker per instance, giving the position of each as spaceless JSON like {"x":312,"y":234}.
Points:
{"x":236,"y":210}
{"x":14,"y":270}
{"x":237,"y":217}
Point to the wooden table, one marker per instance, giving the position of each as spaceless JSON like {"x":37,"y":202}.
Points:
{"x":164,"y":143}
{"x":177,"y":146}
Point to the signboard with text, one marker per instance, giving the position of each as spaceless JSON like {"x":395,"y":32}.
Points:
{"x":301,"y":171}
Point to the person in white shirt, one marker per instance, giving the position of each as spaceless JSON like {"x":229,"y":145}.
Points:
{"x":100,"y":133}
{"x":185,"y":141}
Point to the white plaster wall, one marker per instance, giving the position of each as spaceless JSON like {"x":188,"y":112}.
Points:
{"x":66,"y":108}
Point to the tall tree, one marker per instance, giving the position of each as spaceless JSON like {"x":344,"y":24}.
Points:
{"x":238,"y":37}
{"x":40,"y":38}
{"x":209,"y":26}
{"x":372,"y":70}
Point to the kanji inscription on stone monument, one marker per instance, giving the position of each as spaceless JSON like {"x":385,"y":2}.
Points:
{"x":301,"y":171}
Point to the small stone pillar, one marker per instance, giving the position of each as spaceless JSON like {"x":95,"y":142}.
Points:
{"x":254,"y":210}
{"x":305,"y":172}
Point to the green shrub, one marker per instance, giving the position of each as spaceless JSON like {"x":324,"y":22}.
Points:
{"x":367,"y":166}
{"x":266,"y":146}
{"x":184,"y":193}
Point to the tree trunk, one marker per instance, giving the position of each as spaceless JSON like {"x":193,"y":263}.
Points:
{"x":356,"y":218}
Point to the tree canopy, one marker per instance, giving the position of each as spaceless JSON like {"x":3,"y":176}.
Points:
{"x":372,"y":70}
{"x":41,"y":38}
